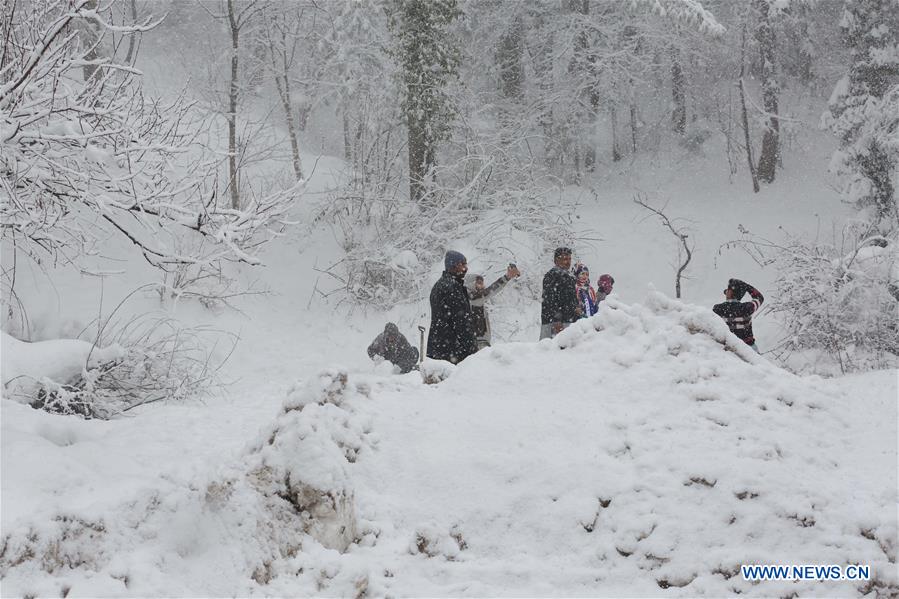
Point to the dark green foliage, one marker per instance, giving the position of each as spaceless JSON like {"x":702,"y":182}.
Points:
{"x":427,"y":53}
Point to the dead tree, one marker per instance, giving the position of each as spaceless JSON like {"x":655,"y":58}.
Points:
{"x":684,"y":248}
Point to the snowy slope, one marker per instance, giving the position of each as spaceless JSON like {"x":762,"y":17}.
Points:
{"x":643,"y":452}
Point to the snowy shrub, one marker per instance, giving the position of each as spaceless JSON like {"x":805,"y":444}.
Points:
{"x":391,"y":244}
{"x":89,"y":159}
{"x":144,"y":360}
{"x":85,"y":152}
{"x":842,"y":300}
{"x":695,"y":139}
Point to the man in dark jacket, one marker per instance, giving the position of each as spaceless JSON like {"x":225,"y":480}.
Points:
{"x":559,"y":307}
{"x":737,"y":314}
{"x":451,"y":336}
{"x":393,"y":347}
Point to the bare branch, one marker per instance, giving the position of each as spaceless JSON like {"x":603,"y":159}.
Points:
{"x":678,"y":233}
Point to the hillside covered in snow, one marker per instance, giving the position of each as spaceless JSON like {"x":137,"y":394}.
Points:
{"x":645,"y":451}
{"x":209,"y":209}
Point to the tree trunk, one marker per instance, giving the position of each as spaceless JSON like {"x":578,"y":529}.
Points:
{"x":678,"y":95}
{"x":588,"y":71}
{"x":282,"y":83}
{"x":347,"y":137}
{"x":755,"y":181}
{"x":132,"y":39}
{"x":547,"y":84}
{"x":542,"y":58}
{"x":90,"y":38}
{"x":417,"y":159}
{"x":509,"y":59}
{"x":232,"y":109}
{"x":303,"y":113}
{"x":764,"y":34}
{"x":616,"y":153}
{"x":359,"y":148}
{"x":742,"y":86}
{"x":634,"y":128}
{"x":429,"y":57}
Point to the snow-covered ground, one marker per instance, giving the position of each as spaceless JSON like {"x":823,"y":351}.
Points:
{"x":640,"y":453}
{"x":644,"y":452}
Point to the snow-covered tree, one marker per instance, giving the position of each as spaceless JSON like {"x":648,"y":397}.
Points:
{"x":282,"y":32}
{"x":79,"y":158}
{"x":840,"y":298}
{"x":428,"y":54}
{"x":863,"y":110}
{"x":766,"y":39}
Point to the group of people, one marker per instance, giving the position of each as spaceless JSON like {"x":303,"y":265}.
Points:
{"x":569,"y":296}
{"x":459,"y":322}
{"x":460,"y":325}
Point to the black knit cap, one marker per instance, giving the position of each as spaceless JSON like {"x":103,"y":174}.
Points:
{"x":562,"y":251}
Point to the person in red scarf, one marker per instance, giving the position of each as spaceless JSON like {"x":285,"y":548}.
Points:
{"x":586,"y":296}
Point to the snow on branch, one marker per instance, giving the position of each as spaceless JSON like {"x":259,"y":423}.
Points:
{"x":688,"y":12}
{"x":80,"y":144}
{"x":679,"y":233}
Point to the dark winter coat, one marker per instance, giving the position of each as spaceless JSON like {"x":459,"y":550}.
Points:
{"x":559,"y":298}
{"x":738,"y":315}
{"x":393,"y":347}
{"x":451,"y":336}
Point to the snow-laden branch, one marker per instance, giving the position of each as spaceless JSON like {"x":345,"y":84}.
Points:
{"x":81,"y":145}
{"x":688,"y":12}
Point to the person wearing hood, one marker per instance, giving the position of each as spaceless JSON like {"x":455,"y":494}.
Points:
{"x":604,"y":287}
{"x":451,"y":335}
{"x":586,"y":296}
{"x":738,"y":314}
{"x":478,"y":294}
{"x":392,"y":346}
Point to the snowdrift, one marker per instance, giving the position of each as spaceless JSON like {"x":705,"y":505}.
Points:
{"x":60,"y":360}
{"x":644,"y":451}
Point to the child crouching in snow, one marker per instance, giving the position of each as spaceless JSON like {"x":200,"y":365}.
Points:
{"x":586,"y":296}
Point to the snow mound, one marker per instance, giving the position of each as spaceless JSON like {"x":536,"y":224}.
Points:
{"x":221,"y":534}
{"x":434,"y":371}
{"x":643,"y":451}
{"x":25,"y":364}
{"x":300,"y":463}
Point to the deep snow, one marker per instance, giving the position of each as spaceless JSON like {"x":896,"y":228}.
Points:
{"x":649,"y":433}
{"x":642,"y":452}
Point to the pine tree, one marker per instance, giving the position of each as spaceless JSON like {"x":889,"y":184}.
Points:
{"x":428,"y":56}
{"x":867,"y":161}
{"x":765,"y":37}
